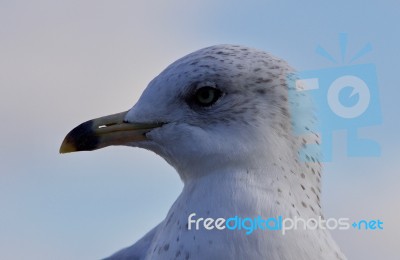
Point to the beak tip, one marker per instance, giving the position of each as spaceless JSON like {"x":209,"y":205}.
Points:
{"x":67,"y":148}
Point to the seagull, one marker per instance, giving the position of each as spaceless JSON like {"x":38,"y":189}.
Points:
{"x":222,"y":117}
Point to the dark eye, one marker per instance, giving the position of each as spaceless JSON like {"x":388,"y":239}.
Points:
{"x":206,"y":96}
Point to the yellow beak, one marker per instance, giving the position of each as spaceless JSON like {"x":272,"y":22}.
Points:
{"x":105,"y":131}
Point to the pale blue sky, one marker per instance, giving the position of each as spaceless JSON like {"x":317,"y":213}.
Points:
{"x":63,"y":62}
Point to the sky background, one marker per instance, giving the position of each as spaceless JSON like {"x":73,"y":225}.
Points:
{"x":64,"y":62}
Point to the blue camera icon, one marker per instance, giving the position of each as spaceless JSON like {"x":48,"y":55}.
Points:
{"x":344,"y":98}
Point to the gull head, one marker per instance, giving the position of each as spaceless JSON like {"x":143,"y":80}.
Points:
{"x":222,"y":117}
{"x":219,"y":107}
